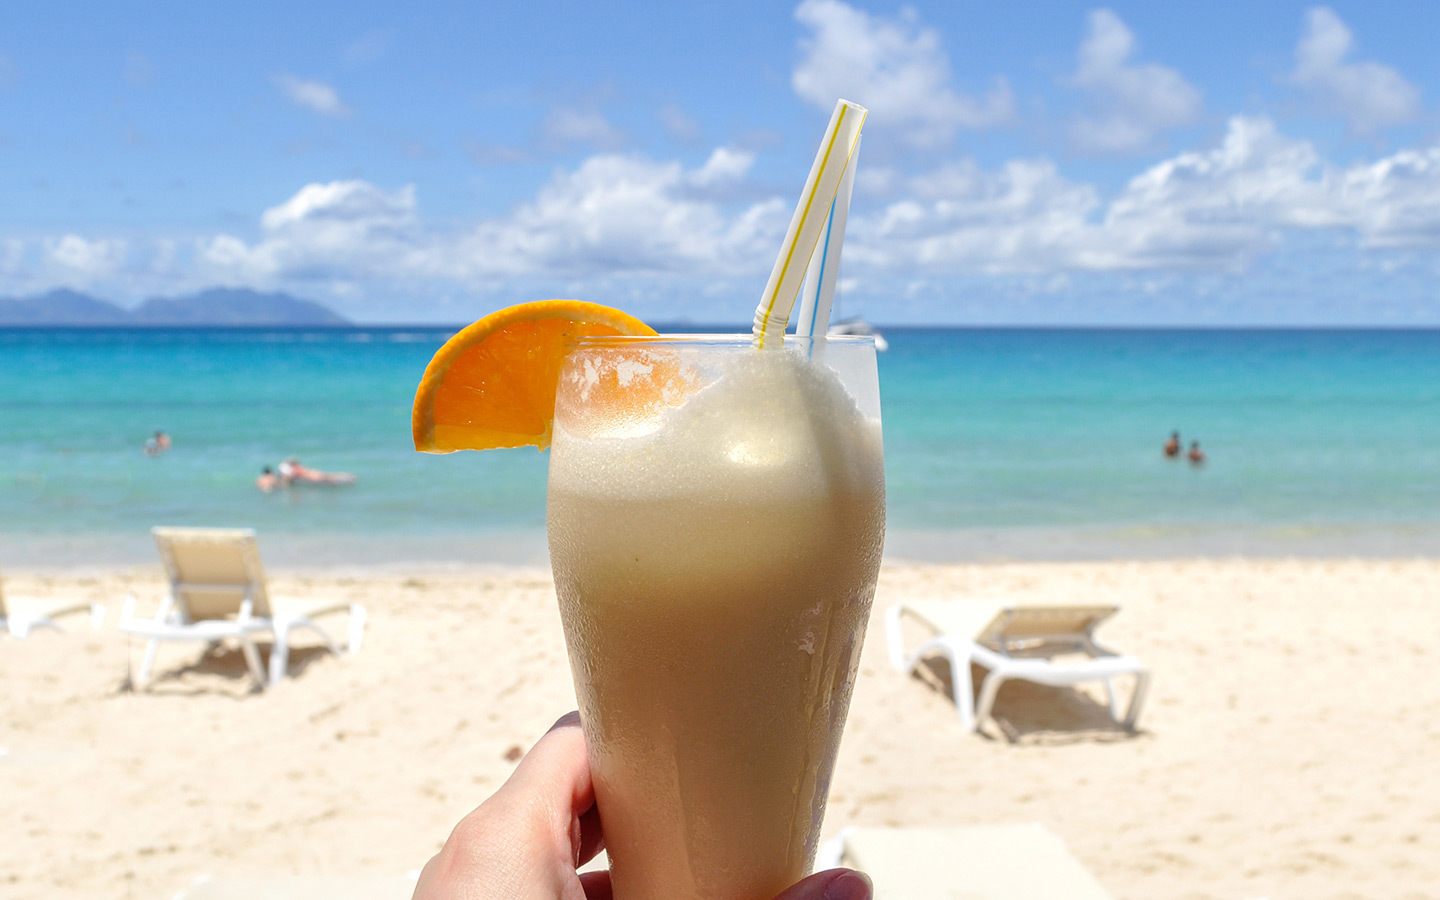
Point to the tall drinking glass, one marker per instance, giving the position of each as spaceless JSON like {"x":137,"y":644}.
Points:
{"x":716,"y":518}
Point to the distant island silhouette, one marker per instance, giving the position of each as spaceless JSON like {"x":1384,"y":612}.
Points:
{"x":215,"y":306}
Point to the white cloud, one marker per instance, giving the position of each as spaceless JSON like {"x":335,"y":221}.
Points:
{"x":726,"y":165}
{"x":12,"y":255}
{"x":367,"y":48}
{"x":962,"y":218}
{"x":36,"y":264}
{"x":1395,"y":202}
{"x":322,"y":231}
{"x":618,"y":222}
{"x":316,"y":96}
{"x":343,"y":204}
{"x":563,"y":131}
{"x":877,"y":182}
{"x":587,"y":128}
{"x":626,"y":214}
{"x":1242,"y":196}
{"x":612,"y":214}
{"x":1130,"y":102}
{"x":896,"y":67}
{"x":1218,"y":208}
{"x":679,"y":124}
{"x":1213,"y":210}
{"x":1368,"y":94}
{"x":86,"y":259}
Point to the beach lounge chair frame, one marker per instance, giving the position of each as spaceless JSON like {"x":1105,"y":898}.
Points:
{"x":21,"y":615}
{"x":237,"y":607}
{"x":1015,"y":642}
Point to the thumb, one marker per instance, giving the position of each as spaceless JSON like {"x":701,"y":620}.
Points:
{"x":832,"y":884}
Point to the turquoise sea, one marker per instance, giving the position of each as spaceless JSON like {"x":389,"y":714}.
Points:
{"x":1000,"y":443}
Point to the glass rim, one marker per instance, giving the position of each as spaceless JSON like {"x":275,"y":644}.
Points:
{"x":722,"y":339}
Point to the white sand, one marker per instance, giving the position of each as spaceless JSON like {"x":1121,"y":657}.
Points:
{"x":1289,"y":749}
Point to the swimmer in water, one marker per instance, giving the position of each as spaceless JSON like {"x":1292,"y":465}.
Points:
{"x":1172,"y":446}
{"x":1196,"y":455}
{"x":267,"y":480}
{"x":157,"y":444}
{"x":292,"y":472}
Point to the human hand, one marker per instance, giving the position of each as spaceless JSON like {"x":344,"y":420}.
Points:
{"x":528,"y":839}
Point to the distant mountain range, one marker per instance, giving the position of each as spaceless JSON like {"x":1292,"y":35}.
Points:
{"x":216,"y":306}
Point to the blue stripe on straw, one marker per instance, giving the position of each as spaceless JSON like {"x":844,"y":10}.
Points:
{"x":820,"y":275}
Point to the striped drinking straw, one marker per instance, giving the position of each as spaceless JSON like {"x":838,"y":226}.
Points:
{"x":831,"y":160}
{"x":812,"y":319}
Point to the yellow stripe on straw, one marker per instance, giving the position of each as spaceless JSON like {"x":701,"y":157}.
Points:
{"x":843,"y":133}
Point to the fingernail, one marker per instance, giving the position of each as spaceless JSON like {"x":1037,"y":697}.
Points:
{"x":850,"y":886}
{"x":567,"y":720}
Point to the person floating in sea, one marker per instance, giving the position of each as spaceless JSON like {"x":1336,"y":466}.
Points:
{"x":267,"y":480}
{"x":157,"y":444}
{"x":292,"y":472}
{"x":1172,"y":446}
{"x":1196,"y":455}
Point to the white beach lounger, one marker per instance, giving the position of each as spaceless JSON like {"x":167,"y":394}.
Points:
{"x":983,"y":862}
{"x":1015,"y":642}
{"x":218,"y":592}
{"x":21,"y":615}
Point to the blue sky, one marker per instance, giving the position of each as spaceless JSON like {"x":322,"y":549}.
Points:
{"x":1058,"y":163}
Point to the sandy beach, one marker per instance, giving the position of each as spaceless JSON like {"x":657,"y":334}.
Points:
{"x":1288,"y":749}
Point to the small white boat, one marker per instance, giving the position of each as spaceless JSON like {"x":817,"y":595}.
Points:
{"x":857,"y":325}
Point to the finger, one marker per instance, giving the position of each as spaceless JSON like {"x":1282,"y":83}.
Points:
{"x":596,"y":885}
{"x":591,"y":839}
{"x":555,"y":777}
{"x":556,"y":766}
{"x":832,"y":884}
{"x":528,"y":834}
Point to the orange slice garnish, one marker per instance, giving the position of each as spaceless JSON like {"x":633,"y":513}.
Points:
{"x":493,"y":384}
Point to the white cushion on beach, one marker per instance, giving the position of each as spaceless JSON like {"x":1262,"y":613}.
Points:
{"x":983,"y":862}
{"x":301,"y":887}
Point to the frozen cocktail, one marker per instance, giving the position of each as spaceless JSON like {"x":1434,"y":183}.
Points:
{"x":715,"y":530}
{"x":716,"y":519}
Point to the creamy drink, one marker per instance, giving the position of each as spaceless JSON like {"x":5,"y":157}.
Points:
{"x":716,"y":518}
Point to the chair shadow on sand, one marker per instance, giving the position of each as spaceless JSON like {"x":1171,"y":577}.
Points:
{"x":1030,"y":713}
{"x":220,"y":670}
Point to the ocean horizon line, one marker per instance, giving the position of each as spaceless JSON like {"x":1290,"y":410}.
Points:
{"x":741,"y":327}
